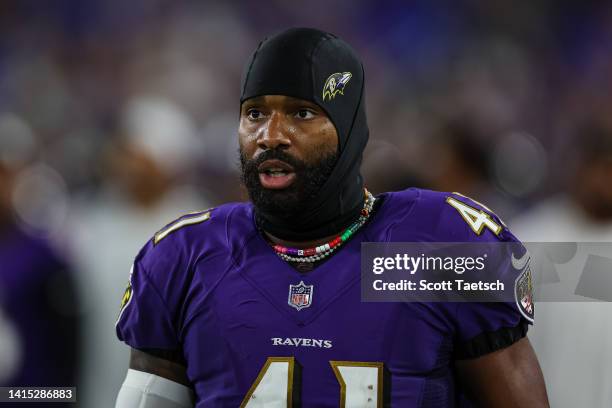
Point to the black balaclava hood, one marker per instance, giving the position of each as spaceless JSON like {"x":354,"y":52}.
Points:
{"x":319,"y":67}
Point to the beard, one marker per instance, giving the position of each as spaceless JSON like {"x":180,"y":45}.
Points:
{"x":309,"y":178}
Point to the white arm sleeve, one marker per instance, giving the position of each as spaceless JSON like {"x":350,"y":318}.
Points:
{"x":145,"y":390}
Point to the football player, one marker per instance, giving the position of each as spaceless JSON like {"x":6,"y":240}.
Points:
{"x":259,"y":304}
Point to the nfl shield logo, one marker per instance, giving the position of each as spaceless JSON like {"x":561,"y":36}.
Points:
{"x":300,"y":295}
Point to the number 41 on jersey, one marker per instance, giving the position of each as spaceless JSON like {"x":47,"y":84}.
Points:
{"x":360,"y":384}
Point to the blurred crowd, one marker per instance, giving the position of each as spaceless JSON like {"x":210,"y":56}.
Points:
{"x":116,"y":117}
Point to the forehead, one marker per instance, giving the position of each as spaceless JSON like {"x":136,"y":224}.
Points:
{"x":278,"y":101}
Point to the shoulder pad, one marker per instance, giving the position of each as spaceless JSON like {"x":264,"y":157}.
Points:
{"x":209,"y":231}
{"x":192,"y":218}
{"x":480,"y":219}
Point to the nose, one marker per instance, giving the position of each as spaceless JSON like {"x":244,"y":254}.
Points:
{"x":274,"y":133}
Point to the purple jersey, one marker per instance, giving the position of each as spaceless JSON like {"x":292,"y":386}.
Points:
{"x":252,"y":329}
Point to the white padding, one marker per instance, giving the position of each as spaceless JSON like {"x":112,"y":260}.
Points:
{"x":145,"y":390}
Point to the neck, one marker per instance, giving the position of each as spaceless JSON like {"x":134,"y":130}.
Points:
{"x":339,"y":235}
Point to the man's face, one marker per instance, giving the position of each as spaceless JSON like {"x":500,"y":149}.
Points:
{"x":288,"y":149}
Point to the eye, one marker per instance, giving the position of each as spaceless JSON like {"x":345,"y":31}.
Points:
{"x":254,"y":114}
{"x":305,"y":114}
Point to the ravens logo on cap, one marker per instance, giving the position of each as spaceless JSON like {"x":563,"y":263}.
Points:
{"x":335,"y":84}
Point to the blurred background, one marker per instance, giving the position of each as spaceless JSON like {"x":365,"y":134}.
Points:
{"x":116,"y":117}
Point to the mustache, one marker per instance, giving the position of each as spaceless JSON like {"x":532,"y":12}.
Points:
{"x":310,"y":178}
{"x":273,"y":154}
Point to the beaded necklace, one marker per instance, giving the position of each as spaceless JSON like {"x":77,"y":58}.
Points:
{"x":317,"y":253}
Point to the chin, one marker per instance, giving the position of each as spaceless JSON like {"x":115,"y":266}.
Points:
{"x":282,"y":201}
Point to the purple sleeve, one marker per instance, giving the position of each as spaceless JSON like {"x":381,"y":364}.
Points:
{"x":155,"y":304}
{"x":151,"y":306}
{"x":482,"y":328}
{"x":144,"y":320}
{"x":486,"y":327}
{"x":479,"y":327}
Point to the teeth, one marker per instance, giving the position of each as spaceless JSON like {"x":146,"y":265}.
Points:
{"x":276,"y":172}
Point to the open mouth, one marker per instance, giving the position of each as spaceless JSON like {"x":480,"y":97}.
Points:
{"x":276,"y":174}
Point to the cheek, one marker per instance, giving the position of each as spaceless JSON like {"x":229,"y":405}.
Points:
{"x":330,"y":134}
{"x":247,"y":140}
{"x":329,"y":137}
{"x":317,"y":141}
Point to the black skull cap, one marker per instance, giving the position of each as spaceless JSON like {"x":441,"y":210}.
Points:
{"x":308,"y":64}
{"x":319,"y":67}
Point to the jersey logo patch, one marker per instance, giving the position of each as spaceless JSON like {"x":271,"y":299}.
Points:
{"x":127,"y":295}
{"x":335,"y":84}
{"x":300,"y":295}
{"x":523,"y":293}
